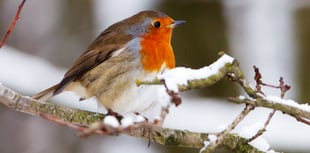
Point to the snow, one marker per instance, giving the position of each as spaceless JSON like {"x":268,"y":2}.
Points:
{"x":163,"y":98}
{"x":180,"y":75}
{"x":130,"y":119}
{"x":241,"y":97}
{"x":127,"y":121}
{"x":139,"y":118}
{"x":289,"y":102}
{"x":205,"y":145}
{"x":212,"y":138}
{"x":111,"y":121}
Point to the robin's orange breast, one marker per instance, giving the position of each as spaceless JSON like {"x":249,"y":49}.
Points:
{"x":156,"y":50}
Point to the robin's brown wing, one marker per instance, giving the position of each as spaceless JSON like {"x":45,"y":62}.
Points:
{"x":99,"y":51}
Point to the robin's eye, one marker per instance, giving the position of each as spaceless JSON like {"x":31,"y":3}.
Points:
{"x":156,"y":24}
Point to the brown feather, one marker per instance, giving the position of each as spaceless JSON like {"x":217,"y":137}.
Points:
{"x":45,"y":94}
{"x":99,"y":51}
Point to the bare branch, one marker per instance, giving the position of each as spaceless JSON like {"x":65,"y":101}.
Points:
{"x":20,"y":7}
{"x":283,"y":88}
{"x":221,"y":136}
{"x":261,"y":131}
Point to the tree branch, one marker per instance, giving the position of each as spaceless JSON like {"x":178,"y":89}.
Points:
{"x":233,"y":72}
{"x":30,"y":106}
{"x":221,"y":136}
{"x":20,"y":7}
{"x":164,"y":136}
{"x":262,"y":102}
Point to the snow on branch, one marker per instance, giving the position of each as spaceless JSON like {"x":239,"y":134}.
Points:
{"x":182,"y":79}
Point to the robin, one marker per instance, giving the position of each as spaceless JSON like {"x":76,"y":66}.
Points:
{"x":136,"y":48}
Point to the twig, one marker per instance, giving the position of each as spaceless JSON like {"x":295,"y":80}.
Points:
{"x":175,"y":98}
{"x":258,"y":80}
{"x":259,"y":83}
{"x":283,"y":88}
{"x":20,"y":7}
{"x":298,"y":118}
{"x":163,"y":113}
{"x":221,"y":136}
{"x":261,"y":131}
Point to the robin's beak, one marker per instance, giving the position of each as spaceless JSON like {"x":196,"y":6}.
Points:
{"x":176,"y":23}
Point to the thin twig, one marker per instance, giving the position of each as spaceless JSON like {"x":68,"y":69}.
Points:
{"x":258,"y":80}
{"x":175,"y":99}
{"x":20,"y":7}
{"x":221,"y":136}
{"x":163,"y":113}
{"x":302,"y":120}
{"x":261,"y":131}
{"x":283,"y":88}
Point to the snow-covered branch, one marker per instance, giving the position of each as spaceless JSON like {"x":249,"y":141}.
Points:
{"x":182,"y":79}
{"x":289,"y":107}
{"x":81,"y":120}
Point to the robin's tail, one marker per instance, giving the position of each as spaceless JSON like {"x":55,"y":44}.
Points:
{"x":46,"y":94}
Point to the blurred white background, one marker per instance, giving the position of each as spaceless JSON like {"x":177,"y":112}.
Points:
{"x":50,"y":35}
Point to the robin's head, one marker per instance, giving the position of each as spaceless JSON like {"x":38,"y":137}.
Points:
{"x":153,"y":29}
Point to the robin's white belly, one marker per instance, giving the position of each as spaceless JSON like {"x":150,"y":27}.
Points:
{"x":137,"y":99}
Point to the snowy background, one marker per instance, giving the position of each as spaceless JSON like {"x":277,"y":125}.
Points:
{"x":44,"y":53}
